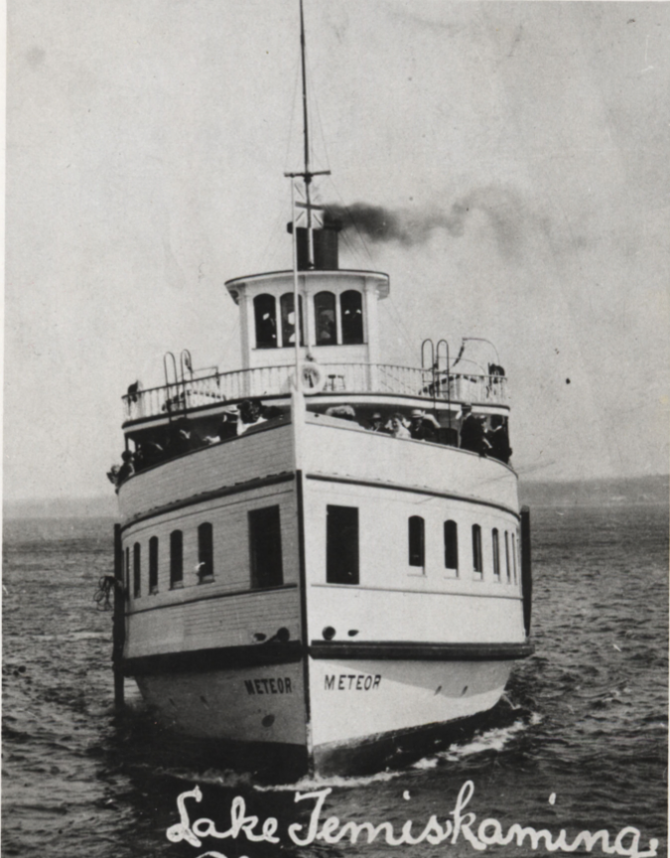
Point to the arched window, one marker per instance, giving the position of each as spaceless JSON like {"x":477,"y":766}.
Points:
{"x":451,"y":545}
{"x":416,"y":541}
{"x":176,"y":559}
{"x":352,"y":317}
{"x":286,"y":304}
{"x":266,"y":321}
{"x":137,"y":575}
{"x":496,"y":554}
{"x":205,"y":552}
{"x":507,"y":566}
{"x":153,"y":564}
{"x":514,"y":557}
{"x":324,"y":317}
{"x":265,"y":547}
{"x":477,"y":564}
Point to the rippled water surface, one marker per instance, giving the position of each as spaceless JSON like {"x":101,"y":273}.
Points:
{"x":580,"y":742}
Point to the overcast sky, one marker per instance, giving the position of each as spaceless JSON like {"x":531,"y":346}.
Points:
{"x":147,"y":141}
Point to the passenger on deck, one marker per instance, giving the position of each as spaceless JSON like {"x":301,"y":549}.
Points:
{"x":473,"y":437}
{"x":377,"y":424}
{"x":344,"y":412}
{"x":250,"y":415}
{"x":423,"y":427}
{"x":126,"y":470}
{"x":148,"y":453}
{"x":227,"y":427}
{"x":398,"y":427}
{"x":498,"y":439}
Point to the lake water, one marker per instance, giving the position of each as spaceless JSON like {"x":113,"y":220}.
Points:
{"x":580,"y":741}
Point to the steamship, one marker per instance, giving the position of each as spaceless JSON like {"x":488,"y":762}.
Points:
{"x":319,"y":551}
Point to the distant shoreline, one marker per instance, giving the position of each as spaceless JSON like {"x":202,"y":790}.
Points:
{"x":621,"y":491}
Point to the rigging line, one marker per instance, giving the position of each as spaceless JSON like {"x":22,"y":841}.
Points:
{"x":296,"y":86}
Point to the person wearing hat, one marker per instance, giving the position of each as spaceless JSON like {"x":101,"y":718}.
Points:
{"x":398,"y":428}
{"x":377,"y":423}
{"x":472,"y":432}
{"x":423,"y":427}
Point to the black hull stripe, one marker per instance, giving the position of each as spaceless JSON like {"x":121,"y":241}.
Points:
{"x":249,"y":485}
{"x":261,"y":655}
{"x":397,"y":487}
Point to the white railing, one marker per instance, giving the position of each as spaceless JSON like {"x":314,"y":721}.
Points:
{"x":180,"y":397}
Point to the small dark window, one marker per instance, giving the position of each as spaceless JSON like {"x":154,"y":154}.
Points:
{"x":352,"y":317}
{"x":127,"y":570}
{"x":205,"y":552}
{"x":286,"y":303}
{"x":507,"y":566}
{"x":324,"y":316}
{"x":496,"y":553}
{"x":153,"y":564}
{"x":137,"y":574}
{"x":266,"y":321}
{"x":176,"y":558}
{"x":265,"y":547}
{"x":451,"y":545}
{"x":477,"y":564}
{"x":514,"y":557}
{"x":416,"y":541}
{"x":342,"y":545}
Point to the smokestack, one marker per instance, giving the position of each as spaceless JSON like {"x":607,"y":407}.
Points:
{"x":325,"y":244}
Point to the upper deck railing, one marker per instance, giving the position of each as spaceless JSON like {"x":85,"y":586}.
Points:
{"x":182,"y":396}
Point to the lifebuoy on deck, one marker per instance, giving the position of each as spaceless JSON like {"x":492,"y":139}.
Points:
{"x":312,"y":377}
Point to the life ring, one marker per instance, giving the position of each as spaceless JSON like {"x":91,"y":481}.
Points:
{"x":312,"y":377}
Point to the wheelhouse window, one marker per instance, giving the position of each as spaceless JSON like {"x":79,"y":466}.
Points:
{"x":352,"y":317}
{"x":153,"y":564}
{"x":496,"y":553}
{"x":265,"y":313}
{"x":451,"y":545}
{"x":477,"y":564}
{"x":265,"y":552}
{"x":507,"y":566}
{"x":137,"y":574}
{"x":205,"y":552}
{"x":325,"y":319}
{"x":286,"y":306}
{"x":416,"y":534}
{"x":342,"y":545}
{"x":176,"y":559}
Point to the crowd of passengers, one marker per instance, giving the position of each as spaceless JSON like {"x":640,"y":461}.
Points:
{"x":180,"y":437}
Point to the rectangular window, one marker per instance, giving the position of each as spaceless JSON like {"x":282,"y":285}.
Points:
{"x":265,"y":547}
{"x":451,"y":545}
{"x":137,"y":575}
{"x":205,"y":552}
{"x":342,"y":545}
{"x":514,"y":557}
{"x":153,"y":564}
{"x":127,"y":571}
{"x":507,"y":566}
{"x":416,"y":538}
{"x":496,"y":554}
{"x":176,"y":559}
{"x":477,"y":564}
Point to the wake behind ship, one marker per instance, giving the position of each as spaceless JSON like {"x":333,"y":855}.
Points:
{"x":319,"y":550}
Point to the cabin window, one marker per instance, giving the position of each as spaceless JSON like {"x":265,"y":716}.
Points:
{"x":496,"y":553}
{"x":286,"y":304}
{"x":153,"y":564}
{"x":352,"y":317}
{"x":127,"y":571}
{"x":205,"y":552}
{"x":324,"y":317}
{"x":451,"y":545}
{"x":265,"y":547}
{"x":137,"y":579}
{"x":342,"y":545}
{"x":416,"y":541}
{"x":265,"y":312}
{"x":514,"y":557}
{"x":507,"y":566}
{"x":477,"y":565}
{"x":176,"y":559}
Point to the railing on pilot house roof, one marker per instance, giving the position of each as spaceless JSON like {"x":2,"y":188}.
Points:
{"x":359,"y":378}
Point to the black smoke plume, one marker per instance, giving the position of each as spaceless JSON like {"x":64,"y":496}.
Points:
{"x":410,"y":227}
